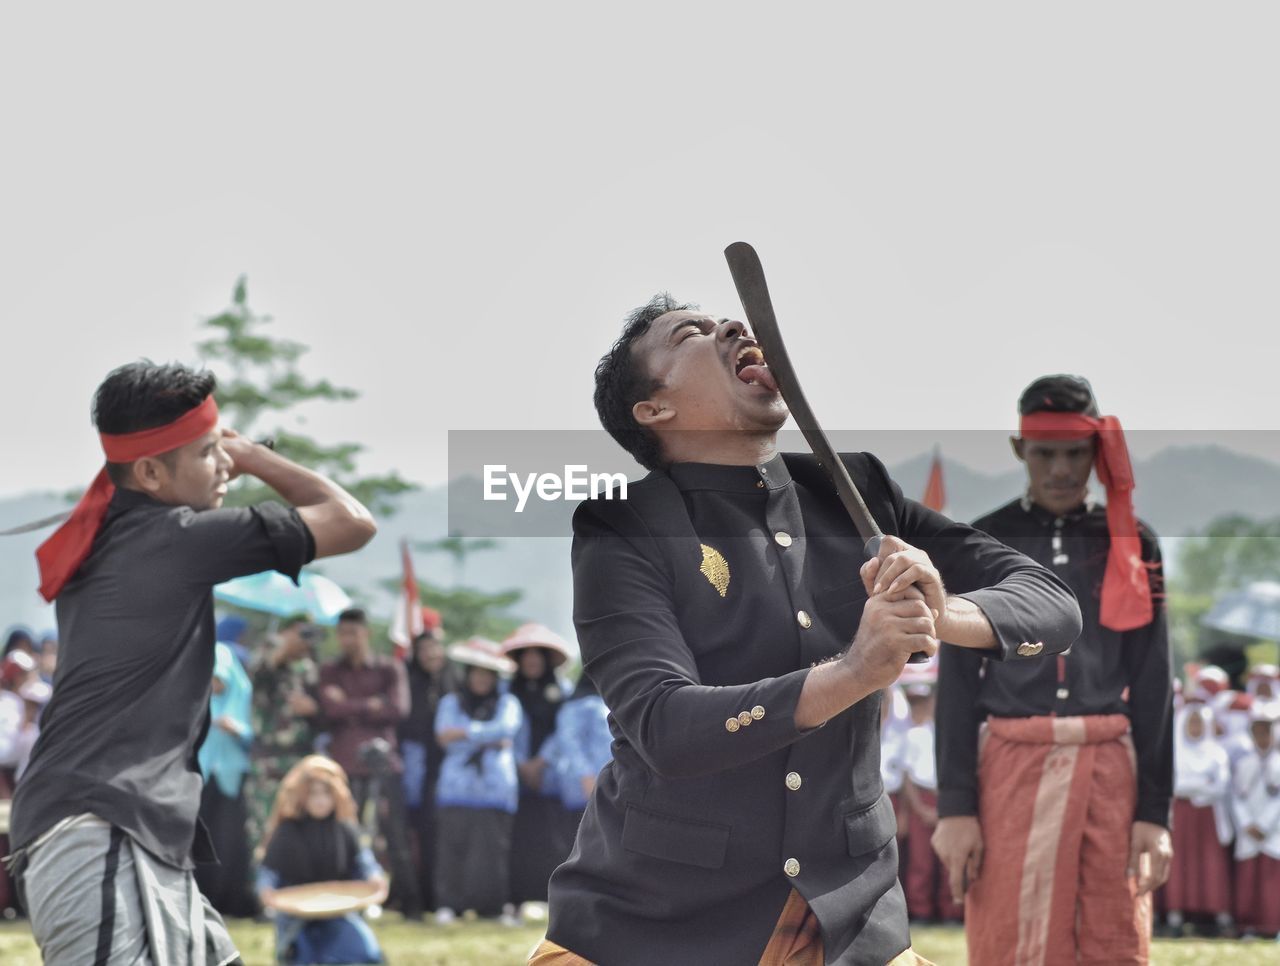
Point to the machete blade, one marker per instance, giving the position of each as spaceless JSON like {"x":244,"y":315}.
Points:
{"x":748,"y":276}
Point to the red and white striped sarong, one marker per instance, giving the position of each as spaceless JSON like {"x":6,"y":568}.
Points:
{"x":1056,"y":802}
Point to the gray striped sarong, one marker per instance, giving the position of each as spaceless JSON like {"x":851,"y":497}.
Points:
{"x":96,"y":896}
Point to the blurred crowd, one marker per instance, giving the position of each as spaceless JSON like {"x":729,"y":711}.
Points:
{"x":1225,"y":879}
{"x":463,"y":770}
{"x":466,"y":767}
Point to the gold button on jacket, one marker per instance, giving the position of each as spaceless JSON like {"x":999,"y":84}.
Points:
{"x":732,"y":725}
{"x":744,"y":718}
{"x":757,"y":712}
{"x":791,"y":868}
{"x":793,"y":780}
{"x":783,"y":538}
{"x":804,"y":618}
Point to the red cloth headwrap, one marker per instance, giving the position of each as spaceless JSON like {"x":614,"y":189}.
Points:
{"x":1126,"y":586}
{"x":62,"y":554}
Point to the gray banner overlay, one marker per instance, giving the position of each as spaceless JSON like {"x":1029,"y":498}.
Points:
{"x":510,"y":483}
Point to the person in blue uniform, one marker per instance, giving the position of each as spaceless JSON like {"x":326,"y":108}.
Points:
{"x":477,"y":793}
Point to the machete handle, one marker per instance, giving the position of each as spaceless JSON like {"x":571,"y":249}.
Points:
{"x":872,"y":549}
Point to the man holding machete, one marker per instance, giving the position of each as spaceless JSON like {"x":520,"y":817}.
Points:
{"x":742,"y":818}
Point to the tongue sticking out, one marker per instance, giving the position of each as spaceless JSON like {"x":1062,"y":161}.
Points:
{"x":760,"y":374}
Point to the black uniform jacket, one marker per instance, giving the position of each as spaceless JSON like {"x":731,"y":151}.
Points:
{"x":701,"y":603}
{"x":1106,"y":671}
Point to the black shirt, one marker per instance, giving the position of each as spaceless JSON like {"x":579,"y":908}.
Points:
{"x":701,"y":603}
{"x":1091,"y":679}
{"x":130,"y":702}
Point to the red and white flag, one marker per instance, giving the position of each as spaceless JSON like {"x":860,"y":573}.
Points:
{"x":935,"y":491}
{"x":407,"y":623}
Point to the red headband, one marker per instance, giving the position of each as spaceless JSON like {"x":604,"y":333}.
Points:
{"x":62,"y":554}
{"x":1126,"y":586}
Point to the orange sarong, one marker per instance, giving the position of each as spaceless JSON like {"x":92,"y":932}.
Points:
{"x":796,"y":941}
{"x":1056,"y":803}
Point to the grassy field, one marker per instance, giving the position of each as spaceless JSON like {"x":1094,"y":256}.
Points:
{"x":484,"y":944}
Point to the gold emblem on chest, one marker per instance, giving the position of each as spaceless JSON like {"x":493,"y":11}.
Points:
{"x":716,"y":569}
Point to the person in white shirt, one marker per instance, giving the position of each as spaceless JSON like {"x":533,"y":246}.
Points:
{"x":1263,"y":682}
{"x":1199,"y":885}
{"x":16,"y":671}
{"x":895,"y":721}
{"x":1255,"y":805}
{"x":926,"y":883}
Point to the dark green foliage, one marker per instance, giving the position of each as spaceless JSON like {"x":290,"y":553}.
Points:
{"x":258,"y":381}
{"x":466,"y":611}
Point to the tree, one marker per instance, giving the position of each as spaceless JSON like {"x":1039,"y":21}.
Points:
{"x":1232,"y":551}
{"x":466,"y":611}
{"x":458,"y":547}
{"x":265,"y":382}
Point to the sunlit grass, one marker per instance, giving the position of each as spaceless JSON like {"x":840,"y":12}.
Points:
{"x":487,"y":944}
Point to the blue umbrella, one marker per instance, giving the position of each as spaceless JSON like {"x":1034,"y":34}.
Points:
{"x":271,"y":592}
{"x":1252,"y":612}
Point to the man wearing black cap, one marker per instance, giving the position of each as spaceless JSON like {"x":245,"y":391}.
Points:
{"x":1050,"y":838}
{"x":743,"y":818}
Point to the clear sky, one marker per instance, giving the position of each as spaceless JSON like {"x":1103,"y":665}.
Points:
{"x":454,"y":205}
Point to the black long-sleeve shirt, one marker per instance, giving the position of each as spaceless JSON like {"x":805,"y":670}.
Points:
{"x":1104,"y":672}
{"x":130,"y":702}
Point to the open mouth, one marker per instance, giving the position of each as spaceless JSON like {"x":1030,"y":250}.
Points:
{"x":749,"y":366}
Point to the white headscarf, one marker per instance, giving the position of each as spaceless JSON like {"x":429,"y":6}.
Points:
{"x":1256,"y":792}
{"x":1201,"y":768}
{"x":893,"y":738}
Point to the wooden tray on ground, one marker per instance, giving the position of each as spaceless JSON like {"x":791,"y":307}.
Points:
{"x":327,"y":900}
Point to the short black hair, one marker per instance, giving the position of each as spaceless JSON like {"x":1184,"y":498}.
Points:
{"x":143,"y":395}
{"x":354,"y":615}
{"x":622,"y":380}
{"x":1059,"y":393}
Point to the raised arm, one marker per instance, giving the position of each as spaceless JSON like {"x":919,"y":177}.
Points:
{"x":997,"y":600}
{"x":338,"y":522}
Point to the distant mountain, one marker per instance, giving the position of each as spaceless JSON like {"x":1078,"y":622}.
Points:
{"x":1180,"y":490}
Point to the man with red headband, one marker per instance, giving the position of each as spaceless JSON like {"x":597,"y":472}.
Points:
{"x":105,"y":818}
{"x":1052,"y":837}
